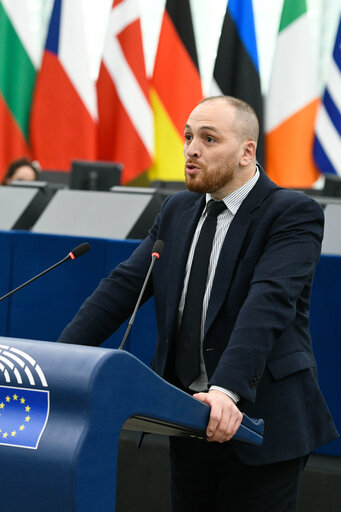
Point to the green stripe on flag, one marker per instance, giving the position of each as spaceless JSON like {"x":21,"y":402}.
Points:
{"x":17,"y":73}
{"x":292,"y":9}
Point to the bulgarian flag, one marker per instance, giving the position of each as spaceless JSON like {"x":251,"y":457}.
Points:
{"x":18,"y":60}
{"x":64,"y":111}
{"x":292,"y":102}
{"x":176,"y":89}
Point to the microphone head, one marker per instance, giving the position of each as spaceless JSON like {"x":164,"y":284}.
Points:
{"x":158,"y":248}
{"x":79,"y":250}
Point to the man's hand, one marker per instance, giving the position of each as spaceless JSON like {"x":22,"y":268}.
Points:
{"x":225,"y":417}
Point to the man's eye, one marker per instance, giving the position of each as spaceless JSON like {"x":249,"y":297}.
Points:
{"x":210,"y":139}
{"x":187,"y":136}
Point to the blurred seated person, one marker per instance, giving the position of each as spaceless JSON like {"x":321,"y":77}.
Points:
{"x":21,"y":169}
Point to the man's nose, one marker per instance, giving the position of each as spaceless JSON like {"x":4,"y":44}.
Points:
{"x":193,"y":149}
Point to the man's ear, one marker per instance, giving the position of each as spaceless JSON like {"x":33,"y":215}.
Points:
{"x":249,"y":153}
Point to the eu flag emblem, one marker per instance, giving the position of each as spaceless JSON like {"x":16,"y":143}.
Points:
{"x":23,"y":416}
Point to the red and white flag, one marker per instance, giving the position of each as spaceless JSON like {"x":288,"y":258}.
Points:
{"x":64,"y":112}
{"x":124,"y":112}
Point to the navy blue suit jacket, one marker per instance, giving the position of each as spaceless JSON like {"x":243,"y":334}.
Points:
{"x":257,"y":340}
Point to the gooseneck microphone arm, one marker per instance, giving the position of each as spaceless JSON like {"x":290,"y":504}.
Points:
{"x":156,"y":253}
{"x":75,"y":253}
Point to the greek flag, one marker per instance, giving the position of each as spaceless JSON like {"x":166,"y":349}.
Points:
{"x":327,"y":143}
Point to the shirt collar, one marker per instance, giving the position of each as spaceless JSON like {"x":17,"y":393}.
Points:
{"x":235,"y":199}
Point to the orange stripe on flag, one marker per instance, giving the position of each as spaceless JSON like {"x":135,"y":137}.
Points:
{"x":12,"y":141}
{"x":289,"y":150}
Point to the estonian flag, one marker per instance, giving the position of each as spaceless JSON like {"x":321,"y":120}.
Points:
{"x":236,"y":71}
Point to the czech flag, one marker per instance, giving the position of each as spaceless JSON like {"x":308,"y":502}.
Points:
{"x":64,"y":113}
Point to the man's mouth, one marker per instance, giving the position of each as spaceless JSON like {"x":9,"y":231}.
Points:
{"x":191,"y":169}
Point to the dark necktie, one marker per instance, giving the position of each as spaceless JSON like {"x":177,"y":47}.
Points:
{"x":187,"y":350}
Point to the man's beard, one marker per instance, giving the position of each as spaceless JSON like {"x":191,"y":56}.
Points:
{"x":210,"y":182}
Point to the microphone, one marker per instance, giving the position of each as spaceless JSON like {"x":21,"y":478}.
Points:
{"x":156,"y":253}
{"x":75,"y":253}
{"x":78,"y":251}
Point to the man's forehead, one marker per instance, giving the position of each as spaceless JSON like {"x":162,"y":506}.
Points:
{"x":212,"y":115}
{"x":202,"y":127}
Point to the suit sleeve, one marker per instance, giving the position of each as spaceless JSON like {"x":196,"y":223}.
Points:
{"x":114,"y":299}
{"x":285,"y":268}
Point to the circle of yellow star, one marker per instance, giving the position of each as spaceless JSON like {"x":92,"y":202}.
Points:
{"x":21,"y":428}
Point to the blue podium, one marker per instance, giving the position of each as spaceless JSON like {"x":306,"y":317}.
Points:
{"x":62,"y":408}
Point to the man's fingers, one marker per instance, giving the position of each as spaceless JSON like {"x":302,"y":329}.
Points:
{"x":215,"y":414}
{"x":225,"y":428}
{"x":225,"y":417}
{"x":203,"y":397}
{"x":215,"y":419}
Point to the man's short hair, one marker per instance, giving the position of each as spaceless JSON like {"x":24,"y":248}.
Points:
{"x":245,"y":114}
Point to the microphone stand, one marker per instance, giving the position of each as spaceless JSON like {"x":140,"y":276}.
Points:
{"x":132,"y":318}
{"x":75,"y":253}
{"x":34,"y":278}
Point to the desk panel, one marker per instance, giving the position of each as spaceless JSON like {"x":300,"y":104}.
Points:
{"x":325,"y":327}
{"x":5,"y":278}
{"x":42,"y":309}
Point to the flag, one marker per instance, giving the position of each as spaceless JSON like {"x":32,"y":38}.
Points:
{"x":23,"y":416}
{"x":17,"y":76}
{"x":176,"y":89}
{"x":327,"y":143}
{"x":236,"y":69}
{"x":292,"y":101}
{"x":64,"y":113}
{"x":124,"y":110}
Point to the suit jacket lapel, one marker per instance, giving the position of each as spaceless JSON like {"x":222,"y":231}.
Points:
{"x":182,"y":239}
{"x":232,"y":245}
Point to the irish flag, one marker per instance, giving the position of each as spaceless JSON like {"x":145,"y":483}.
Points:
{"x":17,"y":75}
{"x":292,"y":101}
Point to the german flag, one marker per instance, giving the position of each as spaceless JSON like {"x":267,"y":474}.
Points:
{"x":176,"y":89}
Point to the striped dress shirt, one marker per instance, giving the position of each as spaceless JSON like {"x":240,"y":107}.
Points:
{"x":232,"y":202}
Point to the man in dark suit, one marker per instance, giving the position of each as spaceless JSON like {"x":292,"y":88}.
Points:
{"x":251,"y":350}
